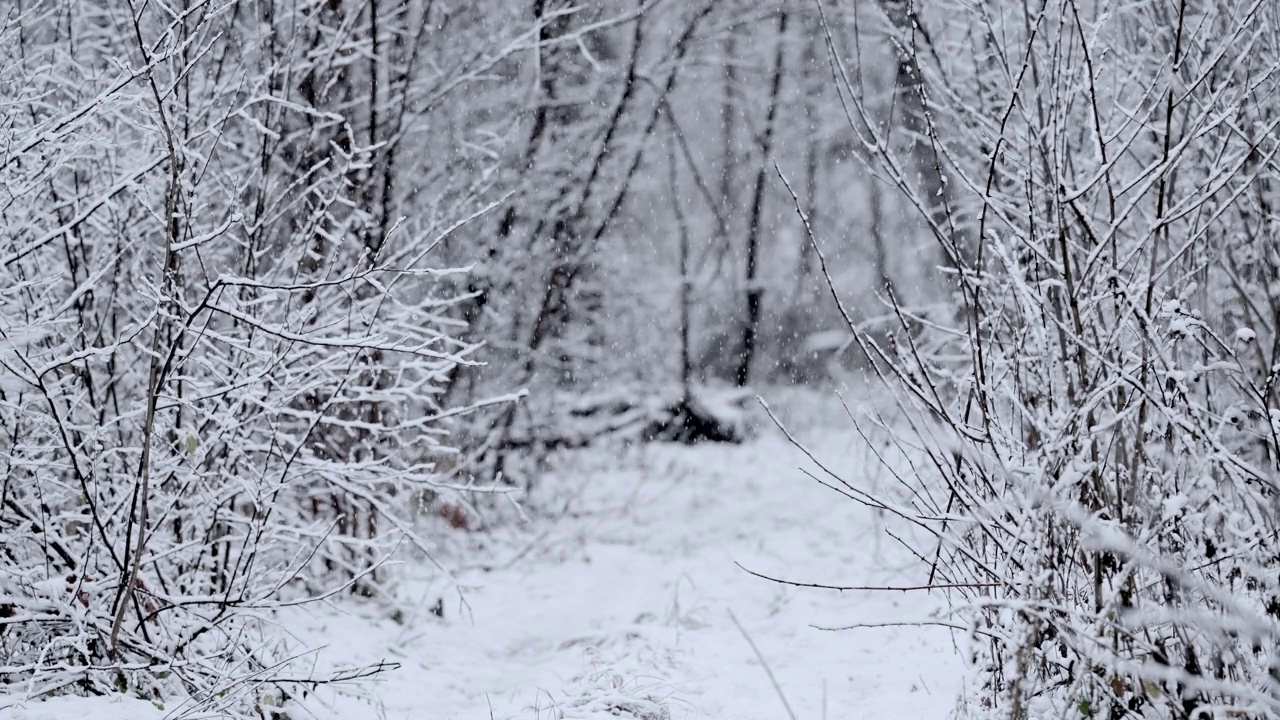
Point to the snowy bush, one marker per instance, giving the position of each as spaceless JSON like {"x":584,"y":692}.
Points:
{"x":222,"y":354}
{"x":1098,"y":423}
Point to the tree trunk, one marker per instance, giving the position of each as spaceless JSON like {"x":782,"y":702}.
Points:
{"x":686,"y":283}
{"x":751,"y":328}
{"x":729,"y":149}
{"x":811,"y":163}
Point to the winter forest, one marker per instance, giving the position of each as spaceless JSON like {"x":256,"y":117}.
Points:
{"x":647,"y":359}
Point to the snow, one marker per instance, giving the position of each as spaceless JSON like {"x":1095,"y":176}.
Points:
{"x":81,"y":708}
{"x":621,"y":599}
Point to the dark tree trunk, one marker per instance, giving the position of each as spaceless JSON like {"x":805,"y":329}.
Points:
{"x":686,"y":283}
{"x":751,"y":328}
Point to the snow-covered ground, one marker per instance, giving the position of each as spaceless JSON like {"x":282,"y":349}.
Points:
{"x":622,"y":598}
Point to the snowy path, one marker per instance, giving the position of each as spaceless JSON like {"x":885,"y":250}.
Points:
{"x":621,"y":606}
{"x":632,"y":602}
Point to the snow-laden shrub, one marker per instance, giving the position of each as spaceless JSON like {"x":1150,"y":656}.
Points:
{"x":220,"y":354}
{"x":1098,"y":427}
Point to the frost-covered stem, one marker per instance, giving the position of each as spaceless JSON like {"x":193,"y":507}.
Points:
{"x":154,"y":379}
